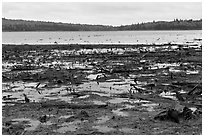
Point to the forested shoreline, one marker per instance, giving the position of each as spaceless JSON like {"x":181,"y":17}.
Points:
{"x":25,"y":25}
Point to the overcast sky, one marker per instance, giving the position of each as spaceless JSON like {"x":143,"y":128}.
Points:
{"x":108,"y":13}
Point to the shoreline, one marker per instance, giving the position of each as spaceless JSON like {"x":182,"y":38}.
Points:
{"x":106,"y":30}
{"x":94,"y":46}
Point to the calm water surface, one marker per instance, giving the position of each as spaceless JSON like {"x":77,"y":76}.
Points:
{"x":130,"y":37}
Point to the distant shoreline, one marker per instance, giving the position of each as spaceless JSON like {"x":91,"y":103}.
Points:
{"x":102,"y":30}
{"x":11,"y":25}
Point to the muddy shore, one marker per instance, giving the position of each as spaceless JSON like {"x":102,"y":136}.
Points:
{"x":101,"y":89}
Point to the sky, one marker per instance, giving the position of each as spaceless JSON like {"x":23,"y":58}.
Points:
{"x":104,"y":13}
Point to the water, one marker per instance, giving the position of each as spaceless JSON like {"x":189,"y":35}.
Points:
{"x":104,"y":128}
{"x":103,"y":37}
{"x":102,"y":119}
{"x":119,"y":112}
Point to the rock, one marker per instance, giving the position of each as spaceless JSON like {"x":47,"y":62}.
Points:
{"x":173,"y":115}
{"x":43,"y":119}
{"x":113,"y":117}
{"x":59,"y":81}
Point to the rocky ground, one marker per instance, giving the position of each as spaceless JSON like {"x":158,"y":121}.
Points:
{"x":102,"y":89}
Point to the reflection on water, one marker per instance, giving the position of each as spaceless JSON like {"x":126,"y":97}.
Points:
{"x":118,"y":100}
{"x":104,"y":128}
{"x":126,"y":130}
{"x":108,"y":87}
{"x":150,"y":106}
{"x":98,"y":102}
{"x":118,"y":112}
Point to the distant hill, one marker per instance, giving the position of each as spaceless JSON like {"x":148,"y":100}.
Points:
{"x":163,"y":25}
{"x":24,"y":25}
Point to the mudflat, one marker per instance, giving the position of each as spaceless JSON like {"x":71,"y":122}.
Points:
{"x":101,"y":89}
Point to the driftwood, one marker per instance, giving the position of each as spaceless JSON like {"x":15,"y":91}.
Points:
{"x":191,"y":92}
{"x":140,"y":90}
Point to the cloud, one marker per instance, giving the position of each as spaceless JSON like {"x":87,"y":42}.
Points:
{"x":108,"y":13}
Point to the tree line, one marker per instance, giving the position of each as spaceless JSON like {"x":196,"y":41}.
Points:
{"x":24,"y":25}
